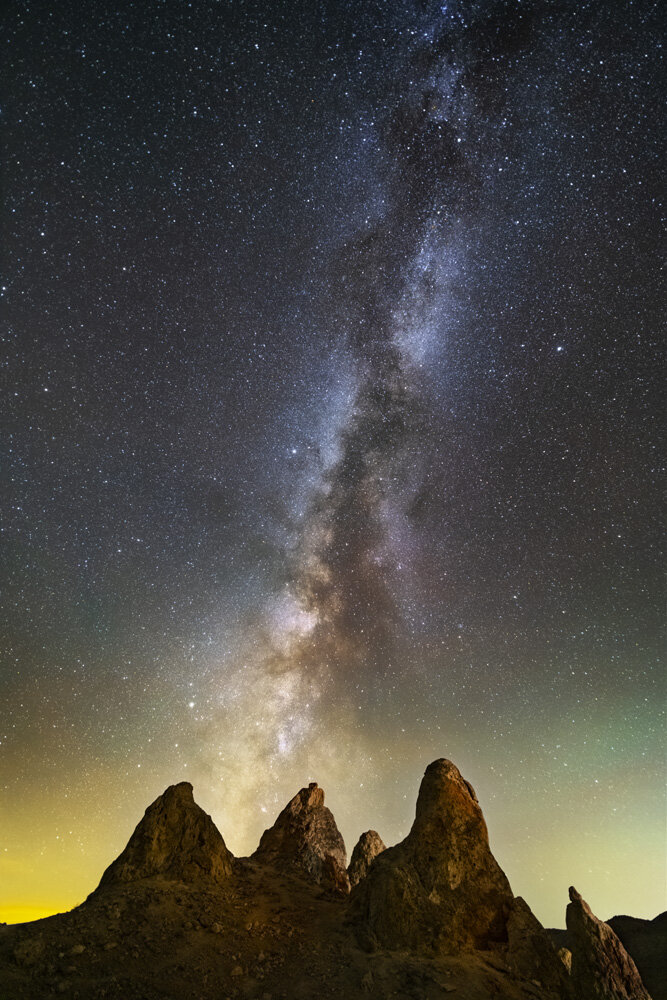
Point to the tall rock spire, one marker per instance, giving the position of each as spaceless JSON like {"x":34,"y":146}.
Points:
{"x":305,"y":838}
{"x":441,"y":888}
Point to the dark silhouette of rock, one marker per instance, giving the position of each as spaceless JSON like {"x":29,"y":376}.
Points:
{"x":601,"y":967}
{"x":367,"y":848}
{"x":176,"y":839}
{"x":646,"y":942}
{"x":441,"y":888}
{"x":305,"y":837}
{"x":28,"y":951}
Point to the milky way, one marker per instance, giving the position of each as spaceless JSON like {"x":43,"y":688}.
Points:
{"x":343,"y":591}
{"x":331,"y":351}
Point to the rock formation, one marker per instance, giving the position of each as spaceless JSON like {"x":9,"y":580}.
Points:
{"x":163,"y":924}
{"x":305,"y":838}
{"x":601,"y":967}
{"x":176,"y":839}
{"x":441,"y":888}
{"x":441,"y":891}
{"x":367,"y":848}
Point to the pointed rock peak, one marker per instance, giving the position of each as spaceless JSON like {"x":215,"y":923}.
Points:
{"x":449,"y":821}
{"x":175,"y":839}
{"x":601,"y":967}
{"x":182,"y":792}
{"x":367,"y":848}
{"x":308,"y":798}
{"x":576,"y":897}
{"x":443,"y":792}
{"x":305,"y":838}
{"x":441,"y":888}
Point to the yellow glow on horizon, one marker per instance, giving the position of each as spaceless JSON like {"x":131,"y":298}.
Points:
{"x":20,"y":913}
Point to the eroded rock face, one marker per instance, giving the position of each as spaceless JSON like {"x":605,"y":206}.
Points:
{"x":441,"y":888}
{"x":601,"y":967}
{"x":176,"y":839}
{"x":565,"y":956}
{"x":367,"y":848}
{"x":305,"y":837}
{"x":530,"y":952}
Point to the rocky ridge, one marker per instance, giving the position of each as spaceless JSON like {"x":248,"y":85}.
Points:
{"x":441,"y":891}
{"x":441,"y":888}
{"x":644,"y":940}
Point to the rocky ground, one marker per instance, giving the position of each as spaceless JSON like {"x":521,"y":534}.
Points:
{"x":176,"y":917}
{"x":273,"y":936}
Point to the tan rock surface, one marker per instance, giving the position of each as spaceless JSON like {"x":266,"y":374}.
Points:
{"x":305,"y":838}
{"x":441,"y":889}
{"x":530,"y":952}
{"x":367,"y":848}
{"x":176,"y":839}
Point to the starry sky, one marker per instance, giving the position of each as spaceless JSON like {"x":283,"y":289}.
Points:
{"x":330,"y":428}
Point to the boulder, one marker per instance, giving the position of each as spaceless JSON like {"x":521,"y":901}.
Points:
{"x":175,"y":839}
{"x":440,"y":889}
{"x":367,"y":848}
{"x":601,"y":967}
{"x":305,"y":839}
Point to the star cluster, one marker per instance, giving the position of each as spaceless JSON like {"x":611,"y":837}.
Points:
{"x":331,"y":343}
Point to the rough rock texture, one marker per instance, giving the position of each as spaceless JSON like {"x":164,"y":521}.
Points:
{"x":305,"y":837}
{"x":268,"y":934}
{"x":334,"y":876}
{"x":565,"y":956}
{"x":644,"y":940}
{"x":530,"y":952}
{"x":175,"y":839}
{"x":441,"y":889}
{"x":367,"y":848}
{"x":164,"y":926}
{"x":601,"y":967}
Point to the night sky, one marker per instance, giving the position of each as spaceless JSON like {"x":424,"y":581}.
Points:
{"x":330,"y":428}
